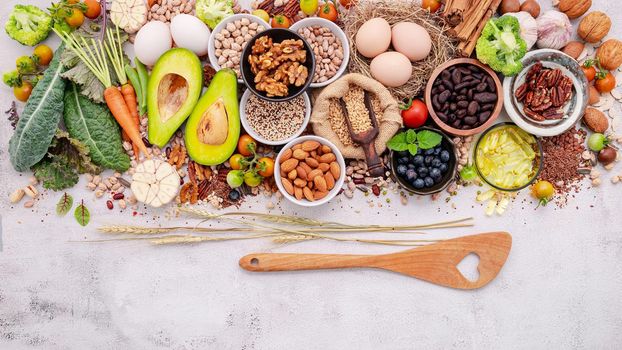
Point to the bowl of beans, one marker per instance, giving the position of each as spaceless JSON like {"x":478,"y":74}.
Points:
{"x":274,"y":123}
{"x":330,"y":47}
{"x":309,"y":171}
{"x":464,"y":97}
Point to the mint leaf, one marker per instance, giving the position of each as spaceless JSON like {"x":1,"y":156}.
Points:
{"x":398,"y":142}
{"x":82,"y":214}
{"x":64,"y":204}
{"x":411,"y":136}
{"x":428,"y":139}
{"x":412,"y":148}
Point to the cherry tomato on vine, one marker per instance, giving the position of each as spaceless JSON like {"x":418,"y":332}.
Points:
{"x":543,"y":191}
{"x":93,"y":9}
{"x":44,"y":54}
{"x":328,"y":11}
{"x":235,"y":178}
{"x":246,"y":145}
{"x":605,"y":83}
{"x":75,"y":19}
{"x":252,"y":179}
{"x":265,"y":167}
{"x":22,"y":93}
{"x":236,"y":161}
{"x":309,"y":7}
{"x":414,"y":113}
{"x":347,"y":3}
{"x":597,"y":141}
{"x":280,"y":21}
{"x":262,"y":14}
{"x":431,"y":5}
{"x":589,"y":71}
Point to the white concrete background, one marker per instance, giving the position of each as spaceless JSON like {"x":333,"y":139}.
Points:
{"x":560,"y":288}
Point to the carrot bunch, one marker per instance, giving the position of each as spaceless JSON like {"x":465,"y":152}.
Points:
{"x":121,"y":100}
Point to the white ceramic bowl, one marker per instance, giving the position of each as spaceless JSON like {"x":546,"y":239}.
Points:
{"x":318,"y":21}
{"x":256,"y":136}
{"x":338,"y":182}
{"x":573,"y":110}
{"x":211,"y":49}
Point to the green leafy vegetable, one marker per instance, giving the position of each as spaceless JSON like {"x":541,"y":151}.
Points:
{"x":500,"y":45}
{"x":82,"y":214}
{"x":213,"y":11}
{"x":94,"y":125}
{"x":64,"y":204}
{"x":12,"y":78}
{"x":411,"y":141}
{"x":468,"y":173}
{"x":64,"y":161}
{"x":40,"y":118}
{"x":79,"y":73}
{"x":28,"y":24}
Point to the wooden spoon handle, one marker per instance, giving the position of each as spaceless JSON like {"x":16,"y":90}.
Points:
{"x":264,"y":262}
{"x":374,"y":166}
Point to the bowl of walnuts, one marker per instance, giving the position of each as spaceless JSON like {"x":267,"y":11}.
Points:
{"x":277,"y":65}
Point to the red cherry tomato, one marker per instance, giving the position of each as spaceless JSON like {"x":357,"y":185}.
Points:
{"x":328,"y":11}
{"x":414,"y":114}
{"x":431,"y":5}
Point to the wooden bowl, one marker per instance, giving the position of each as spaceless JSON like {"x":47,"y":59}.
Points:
{"x":495,"y":112}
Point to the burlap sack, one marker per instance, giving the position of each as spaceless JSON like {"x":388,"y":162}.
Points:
{"x":388,"y":123}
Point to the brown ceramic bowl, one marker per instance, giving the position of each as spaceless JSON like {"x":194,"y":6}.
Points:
{"x":448,"y":128}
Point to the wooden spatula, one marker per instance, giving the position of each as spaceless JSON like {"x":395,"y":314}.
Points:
{"x":436,"y":263}
{"x":366,"y":138}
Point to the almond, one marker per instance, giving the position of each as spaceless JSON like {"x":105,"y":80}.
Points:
{"x":330,"y":181}
{"x":313,"y":174}
{"x":312,"y":162}
{"x":300,"y":154}
{"x":298,"y":193}
{"x":319,"y":195}
{"x":17,"y":195}
{"x":292,"y":175}
{"x":324,"y":167}
{"x":296,"y":146}
{"x":325,"y":149}
{"x":31,"y":191}
{"x":302,"y":173}
{"x":327,"y":158}
{"x":310,"y":145}
{"x":300,"y":182}
{"x":335,"y":170}
{"x":306,"y":167}
{"x":308,"y":194}
{"x":595,"y":120}
{"x":289,"y":165}
{"x":320,"y":183}
{"x":289,"y":188}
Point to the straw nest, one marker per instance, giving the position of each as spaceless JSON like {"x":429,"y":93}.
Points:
{"x":395,"y":11}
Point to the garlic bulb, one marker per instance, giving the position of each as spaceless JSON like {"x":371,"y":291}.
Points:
{"x":554,"y":30}
{"x":528,"y":27}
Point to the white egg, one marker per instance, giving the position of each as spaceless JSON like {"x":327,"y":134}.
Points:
{"x":152,"y":40}
{"x":373,"y":37}
{"x":391,"y":68}
{"x":190,"y":33}
{"x":411,"y":40}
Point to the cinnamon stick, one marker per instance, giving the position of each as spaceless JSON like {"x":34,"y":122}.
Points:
{"x":467,"y":47}
{"x":473,"y":17}
{"x":454,"y":11}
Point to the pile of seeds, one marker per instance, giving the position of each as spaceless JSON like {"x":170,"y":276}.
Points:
{"x":357,"y":113}
{"x":275,"y":121}
{"x":328,"y":51}
{"x":165,"y":10}
{"x":562,"y":161}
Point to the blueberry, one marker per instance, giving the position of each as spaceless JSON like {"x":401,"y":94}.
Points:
{"x":436,"y":162}
{"x":429,"y":182}
{"x":418,"y":160}
{"x":401,"y":169}
{"x":411,"y":175}
{"x":403,"y":154}
{"x":445,"y":156}
{"x":234,"y":195}
{"x":428,"y":160}
{"x":443,"y":168}
{"x":410,"y":166}
{"x":402,"y":160}
{"x":437,"y":150}
{"x":419,"y":183}
{"x":429,"y":152}
{"x":435,"y":174}
{"x":419,"y":151}
{"x":422,"y":171}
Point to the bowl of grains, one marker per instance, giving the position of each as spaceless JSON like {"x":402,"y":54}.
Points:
{"x":330,"y":47}
{"x":309,"y":171}
{"x":229,"y":38}
{"x":274,"y":123}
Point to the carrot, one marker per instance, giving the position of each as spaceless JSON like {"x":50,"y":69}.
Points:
{"x":121,"y":112}
{"x":129,"y":95}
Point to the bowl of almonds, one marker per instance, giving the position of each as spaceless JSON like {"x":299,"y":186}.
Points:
{"x":309,"y":171}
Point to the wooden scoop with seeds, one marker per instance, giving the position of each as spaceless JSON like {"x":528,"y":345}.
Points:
{"x":366,"y":138}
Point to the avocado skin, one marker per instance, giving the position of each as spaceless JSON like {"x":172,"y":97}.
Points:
{"x":186,"y":64}
{"x":224,"y":86}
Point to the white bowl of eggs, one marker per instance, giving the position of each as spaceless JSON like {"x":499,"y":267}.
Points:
{"x":410,"y":43}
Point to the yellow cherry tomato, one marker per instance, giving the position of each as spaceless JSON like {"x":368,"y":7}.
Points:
{"x":75,"y":19}
{"x":265,"y":166}
{"x":236,"y":161}
{"x":246,"y":145}
{"x":22,"y":93}
{"x":44,"y":53}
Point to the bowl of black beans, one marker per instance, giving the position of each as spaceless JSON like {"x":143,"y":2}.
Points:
{"x":429,"y":170}
{"x":464,"y":96}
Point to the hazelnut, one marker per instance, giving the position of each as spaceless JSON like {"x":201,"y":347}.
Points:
{"x":595,"y":120}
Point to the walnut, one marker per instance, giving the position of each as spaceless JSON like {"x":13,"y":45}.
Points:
{"x":594,"y":26}
{"x":610,"y":54}
{"x":189,"y":193}
{"x":261,"y":45}
{"x":574,"y":8}
{"x":178,"y":156}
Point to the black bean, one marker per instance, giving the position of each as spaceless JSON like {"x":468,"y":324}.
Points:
{"x":442,"y":98}
{"x":478,"y":75}
{"x":463,"y":104}
{"x":485,"y":97}
{"x":445,"y":75}
{"x":452,"y":107}
{"x":452,"y":117}
{"x":473,"y":68}
{"x":436,"y":103}
{"x":470,"y":120}
{"x":463,"y":91}
{"x":491,"y":84}
{"x":441,"y":88}
{"x":445,"y":106}
{"x":483,"y":117}
{"x":473,"y":107}
{"x":442,"y":116}
{"x":464,"y":71}
{"x":467,"y":78}
{"x":470,"y":95}
{"x":448,"y":84}
{"x":456,"y":77}
{"x":461,"y":113}
{"x":481,"y":87}
{"x":461,"y":98}
{"x":488,"y":107}
{"x":457,"y":123}
{"x":435,"y":91}
{"x":462,"y":85}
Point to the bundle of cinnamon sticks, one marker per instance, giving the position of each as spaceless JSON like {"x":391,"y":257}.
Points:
{"x":467,"y":19}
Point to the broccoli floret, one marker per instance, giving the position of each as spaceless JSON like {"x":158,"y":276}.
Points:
{"x":501,"y":47}
{"x":12,"y":78}
{"x":213,"y":11}
{"x":28,"y":24}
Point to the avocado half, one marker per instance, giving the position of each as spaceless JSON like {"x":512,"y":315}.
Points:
{"x":174,"y":87}
{"x":213,"y":130}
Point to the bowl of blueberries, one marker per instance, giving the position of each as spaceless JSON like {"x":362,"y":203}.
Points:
{"x":429,"y":170}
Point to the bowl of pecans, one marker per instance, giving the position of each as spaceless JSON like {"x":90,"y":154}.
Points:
{"x":549,"y":95}
{"x":309,"y":171}
{"x":277,"y":65}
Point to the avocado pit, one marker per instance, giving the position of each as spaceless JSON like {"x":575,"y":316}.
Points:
{"x":214,"y":125}
{"x":172,"y":93}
